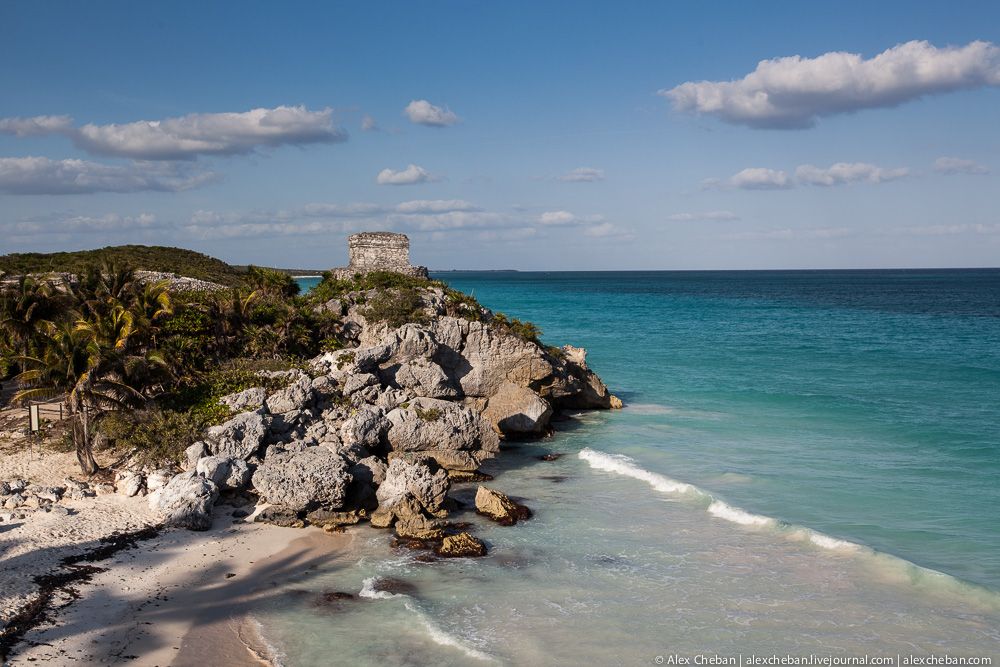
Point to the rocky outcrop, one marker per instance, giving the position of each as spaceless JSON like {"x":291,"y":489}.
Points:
{"x":186,"y":501}
{"x":247,"y":400}
{"x":498,"y":507}
{"x":517,"y":411}
{"x":462,"y":545}
{"x":240,"y":437}
{"x":454,"y":435}
{"x":313,"y":477}
{"x":411,"y":497}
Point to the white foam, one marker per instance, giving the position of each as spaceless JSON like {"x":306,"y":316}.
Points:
{"x":736,"y":515}
{"x":368,"y":591}
{"x":444,"y":639}
{"x":624,"y":465}
{"x":832,"y":543}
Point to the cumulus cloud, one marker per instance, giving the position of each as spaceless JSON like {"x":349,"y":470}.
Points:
{"x":36,"y":126}
{"x":583,"y":175}
{"x":843,"y":173}
{"x":761,"y":178}
{"x":412,"y":175}
{"x":793,"y":92}
{"x":187,"y":137}
{"x":423,"y":112}
{"x":43,"y":176}
{"x":946,"y":230}
{"x":956,"y":165}
{"x":369,"y":124}
{"x":710,"y":216}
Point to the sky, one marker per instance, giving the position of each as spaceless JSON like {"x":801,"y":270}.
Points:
{"x":521,"y":135}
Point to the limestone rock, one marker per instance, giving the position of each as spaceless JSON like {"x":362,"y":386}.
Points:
{"x":517,"y":411}
{"x":330,"y":519}
{"x":314,"y":477}
{"x":246,"y":400}
{"x":423,"y":377}
{"x":296,"y":396}
{"x":410,"y":490}
{"x":238,"y":438}
{"x":367,"y":427}
{"x":159,"y":478}
{"x":186,"y":501}
{"x":225,"y":472}
{"x":279,"y":515}
{"x":357,"y":381}
{"x":129,"y":483}
{"x":427,"y":424}
{"x":371,"y":469}
{"x":498,"y":507}
{"x":462,"y":545}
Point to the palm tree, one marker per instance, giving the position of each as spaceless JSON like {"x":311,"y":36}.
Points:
{"x":24,"y":306}
{"x":74,"y":365}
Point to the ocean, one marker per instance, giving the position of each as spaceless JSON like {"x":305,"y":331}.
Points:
{"x":808,"y":463}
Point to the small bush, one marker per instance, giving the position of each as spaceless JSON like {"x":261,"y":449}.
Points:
{"x":524,"y":330}
{"x":429,"y":415}
{"x":152,"y":437}
{"x":396,"y":307}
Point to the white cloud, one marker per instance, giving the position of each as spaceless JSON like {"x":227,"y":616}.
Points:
{"x":843,"y":173}
{"x":412,"y":175}
{"x":793,"y":92}
{"x":760,"y":178}
{"x":602,"y":230}
{"x":823,"y":233}
{"x":62,"y":223}
{"x":36,"y":126}
{"x":583,"y":175}
{"x":946,"y":230}
{"x":956,"y":165}
{"x":557,"y":218}
{"x":711,"y":216}
{"x":423,"y":112}
{"x":41,"y":175}
{"x":187,"y":137}
{"x":434,"y":206}
{"x":369,"y":124}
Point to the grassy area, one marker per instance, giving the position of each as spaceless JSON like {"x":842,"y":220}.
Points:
{"x":147,"y":258}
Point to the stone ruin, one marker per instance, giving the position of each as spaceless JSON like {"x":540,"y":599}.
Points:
{"x":379,"y":251}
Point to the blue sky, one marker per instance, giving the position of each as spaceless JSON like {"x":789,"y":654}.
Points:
{"x":507,"y":135}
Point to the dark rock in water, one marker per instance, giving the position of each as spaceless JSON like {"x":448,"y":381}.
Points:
{"x":550,"y":457}
{"x":279,"y":515}
{"x":462,"y":545}
{"x":331,"y":598}
{"x":555,"y":479}
{"x":396,"y":586}
{"x":459,"y":476}
{"x":499,"y":507}
{"x":410,"y":543}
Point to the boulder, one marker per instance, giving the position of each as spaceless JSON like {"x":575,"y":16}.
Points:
{"x":370,"y":469}
{"x":517,"y":411}
{"x":225,"y":472}
{"x":498,"y":507}
{"x":279,"y":515}
{"x":314,"y":477}
{"x":158,"y":479}
{"x":186,"y":501}
{"x":423,"y":377}
{"x":357,"y":381}
{"x":238,"y":438}
{"x":427,"y":424}
{"x":462,"y":545}
{"x":247,"y":400}
{"x":296,"y":396}
{"x":129,"y":483}
{"x":409,"y":491}
{"x":192,"y":454}
{"x":367,"y":428}
{"x":332,"y":519}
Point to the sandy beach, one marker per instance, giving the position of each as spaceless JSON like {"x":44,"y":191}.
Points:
{"x":179,"y":598}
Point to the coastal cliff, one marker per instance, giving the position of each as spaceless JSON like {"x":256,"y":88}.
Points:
{"x":380,"y":430}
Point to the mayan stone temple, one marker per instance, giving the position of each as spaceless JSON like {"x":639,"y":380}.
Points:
{"x":379,"y":251}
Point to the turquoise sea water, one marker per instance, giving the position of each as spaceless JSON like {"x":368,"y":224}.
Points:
{"x":807,"y":462}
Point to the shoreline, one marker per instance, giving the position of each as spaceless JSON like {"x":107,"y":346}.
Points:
{"x":173,"y":600}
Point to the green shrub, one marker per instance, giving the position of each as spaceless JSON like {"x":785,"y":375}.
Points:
{"x":396,"y":307}
{"x":524,"y":330}
{"x":429,"y":415}
{"x":151,"y":437}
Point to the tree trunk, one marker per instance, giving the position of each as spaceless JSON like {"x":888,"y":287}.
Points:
{"x":84,"y":447}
